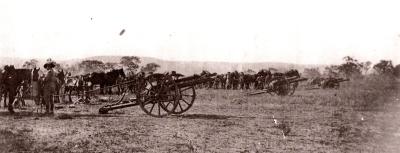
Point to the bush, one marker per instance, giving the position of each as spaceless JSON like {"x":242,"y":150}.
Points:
{"x":370,"y":92}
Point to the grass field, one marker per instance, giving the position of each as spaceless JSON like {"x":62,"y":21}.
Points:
{"x":361,"y":116}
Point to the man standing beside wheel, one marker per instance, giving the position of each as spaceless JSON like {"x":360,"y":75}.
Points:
{"x":50,"y":85}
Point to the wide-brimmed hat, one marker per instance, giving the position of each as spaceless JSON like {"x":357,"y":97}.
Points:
{"x":50,"y":64}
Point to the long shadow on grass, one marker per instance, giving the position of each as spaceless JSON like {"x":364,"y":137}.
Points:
{"x":23,"y":114}
{"x":208,"y":116}
{"x":204,"y":116}
{"x":94,"y":115}
{"x":17,"y":113}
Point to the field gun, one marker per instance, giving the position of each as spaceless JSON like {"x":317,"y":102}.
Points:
{"x":332,"y":82}
{"x":281,"y":86}
{"x":159,"y":95}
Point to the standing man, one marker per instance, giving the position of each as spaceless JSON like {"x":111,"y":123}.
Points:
{"x":50,"y":85}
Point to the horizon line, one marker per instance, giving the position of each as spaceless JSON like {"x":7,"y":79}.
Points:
{"x":204,"y":61}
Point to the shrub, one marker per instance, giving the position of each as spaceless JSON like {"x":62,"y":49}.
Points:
{"x":370,"y":92}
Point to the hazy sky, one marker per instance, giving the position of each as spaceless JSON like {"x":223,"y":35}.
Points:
{"x":298,"y":31}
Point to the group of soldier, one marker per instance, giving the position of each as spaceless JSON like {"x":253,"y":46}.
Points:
{"x":43,"y":88}
{"x":242,"y":81}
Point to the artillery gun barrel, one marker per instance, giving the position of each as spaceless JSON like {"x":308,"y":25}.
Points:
{"x":189,"y":83}
{"x":189,"y":78}
{"x":297,"y":80}
{"x":290,"y":80}
{"x":342,"y":80}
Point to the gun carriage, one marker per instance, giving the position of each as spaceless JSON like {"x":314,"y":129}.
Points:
{"x":159,"y":95}
{"x":281,"y":86}
{"x":332,"y":82}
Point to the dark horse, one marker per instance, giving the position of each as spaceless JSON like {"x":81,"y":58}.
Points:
{"x":36,"y":86}
{"x":12,"y":79}
{"x":248,"y":79}
{"x":106,"y":79}
{"x":288,"y":74}
{"x":74,"y":84}
{"x":61,"y":81}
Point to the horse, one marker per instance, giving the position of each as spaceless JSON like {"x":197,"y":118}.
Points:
{"x":106,"y":79}
{"x":264,"y":72}
{"x":74,"y":84}
{"x":12,"y":79}
{"x":60,"y":83}
{"x":61,"y":77}
{"x":223,"y":81}
{"x":235,"y":80}
{"x":262,"y":78}
{"x":2,"y":87}
{"x":208,"y":84}
{"x":36,"y":85}
{"x":248,"y":80}
{"x":120,"y":80}
{"x":35,"y":74}
{"x":115,"y":77}
{"x":228,"y":80}
{"x":292,"y":73}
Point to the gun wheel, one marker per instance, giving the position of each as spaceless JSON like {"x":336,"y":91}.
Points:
{"x":282,"y":87}
{"x":186,"y":99}
{"x":292,"y":87}
{"x":159,"y":96}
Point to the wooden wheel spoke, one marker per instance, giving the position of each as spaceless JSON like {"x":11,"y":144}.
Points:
{"x":185,"y":101}
{"x":159,"y":110}
{"x":166,"y":95}
{"x":180,"y":106}
{"x":168,"y":104}
{"x":187,"y":95}
{"x":184,"y":89}
{"x":152,"y":107}
{"x":163,"y":92}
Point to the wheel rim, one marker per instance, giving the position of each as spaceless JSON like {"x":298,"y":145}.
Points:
{"x":186,"y":99}
{"x":159,"y":96}
{"x":293,"y":87}
{"x":282,"y":89}
{"x":170,"y":95}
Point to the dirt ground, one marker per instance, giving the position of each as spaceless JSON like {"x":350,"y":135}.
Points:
{"x":219,"y":121}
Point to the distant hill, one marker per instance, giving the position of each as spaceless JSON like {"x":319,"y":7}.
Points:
{"x":184,"y":67}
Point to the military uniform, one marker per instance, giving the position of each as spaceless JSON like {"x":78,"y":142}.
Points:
{"x":50,"y":86}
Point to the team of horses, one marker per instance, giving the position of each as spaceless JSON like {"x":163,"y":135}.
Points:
{"x":240,"y":80}
{"x":14,"y":79}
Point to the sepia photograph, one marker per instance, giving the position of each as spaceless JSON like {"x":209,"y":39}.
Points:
{"x":191,"y":76}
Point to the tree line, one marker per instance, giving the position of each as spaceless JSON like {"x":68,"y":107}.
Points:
{"x":129,"y":63}
{"x":352,"y":67}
